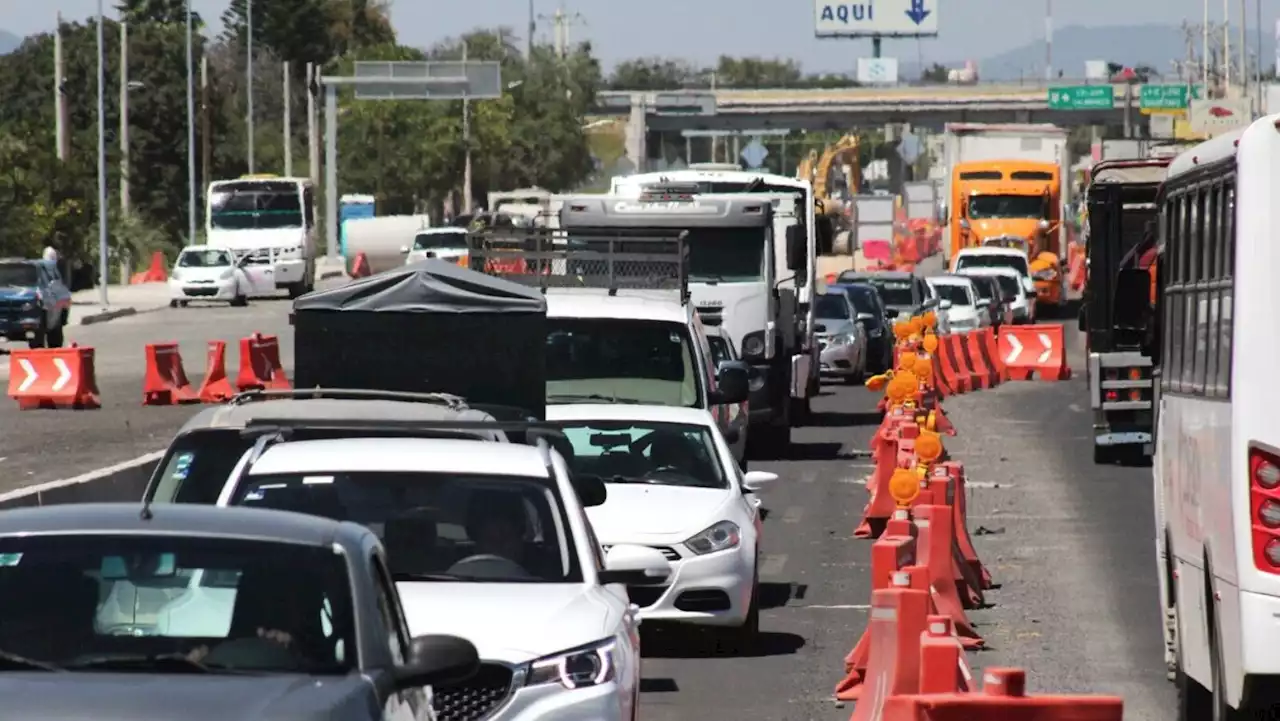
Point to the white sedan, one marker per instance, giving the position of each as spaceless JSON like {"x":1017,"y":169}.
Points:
{"x":673,"y":485}
{"x":208,"y":274}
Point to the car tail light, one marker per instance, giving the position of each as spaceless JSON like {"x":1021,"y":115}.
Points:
{"x":1112,"y":396}
{"x":1135,"y":374}
{"x":1264,"y":503}
{"x":1135,"y":395}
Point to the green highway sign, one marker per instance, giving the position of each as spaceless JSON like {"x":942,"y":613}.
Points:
{"x":1167,"y":97}
{"x":1082,"y":97}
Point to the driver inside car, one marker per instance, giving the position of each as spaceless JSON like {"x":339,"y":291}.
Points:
{"x":496,"y":523}
{"x":670,"y":451}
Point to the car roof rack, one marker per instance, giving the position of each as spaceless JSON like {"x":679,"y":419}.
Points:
{"x":448,"y":400}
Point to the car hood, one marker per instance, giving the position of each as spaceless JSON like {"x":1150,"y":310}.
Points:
{"x":511,"y":622}
{"x":645,"y":513}
{"x":36,"y":696}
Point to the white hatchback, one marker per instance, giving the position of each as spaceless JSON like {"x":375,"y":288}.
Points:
{"x":959,"y":299}
{"x":986,"y":258}
{"x":490,"y":541}
{"x":202,"y":273}
{"x":673,"y":485}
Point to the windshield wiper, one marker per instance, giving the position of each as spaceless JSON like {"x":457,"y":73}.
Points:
{"x":163,"y":663}
{"x":410,"y":577}
{"x":595,"y":397}
{"x":14,"y":662}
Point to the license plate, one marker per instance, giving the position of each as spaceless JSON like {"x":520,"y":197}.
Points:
{"x":1122,"y":439}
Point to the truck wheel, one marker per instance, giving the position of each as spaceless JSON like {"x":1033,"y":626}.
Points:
{"x":55,"y":338}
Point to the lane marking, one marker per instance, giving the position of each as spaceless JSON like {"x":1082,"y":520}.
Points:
{"x":793,"y":514}
{"x":986,"y":484}
{"x":94,"y":475}
{"x":772,"y":564}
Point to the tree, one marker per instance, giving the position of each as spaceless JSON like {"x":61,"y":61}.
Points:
{"x":751,"y":72}
{"x":653,"y":74}
{"x":170,"y":12}
{"x":294,"y":30}
{"x":935,"y":73}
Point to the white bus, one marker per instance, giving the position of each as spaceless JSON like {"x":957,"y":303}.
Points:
{"x":1217,"y":440}
{"x":270,"y":223}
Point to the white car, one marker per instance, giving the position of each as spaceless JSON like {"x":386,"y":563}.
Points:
{"x":447,"y":243}
{"x":673,"y":485}
{"x":959,"y":299}
{"x":723,"y":350}
{"x":992,"y":257}
{"x":208,"y":274}
{"x":1023,"y":306}
{"x":490,"y":541}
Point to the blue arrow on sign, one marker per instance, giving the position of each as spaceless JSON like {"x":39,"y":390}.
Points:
{"x":917,"y":13}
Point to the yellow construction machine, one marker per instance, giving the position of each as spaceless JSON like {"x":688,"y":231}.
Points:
{"x":834,"y":208}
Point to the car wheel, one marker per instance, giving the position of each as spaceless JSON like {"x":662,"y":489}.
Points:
{"x":240,"y":301}
{"x":742,"y":640}
{"x":173,"y":304}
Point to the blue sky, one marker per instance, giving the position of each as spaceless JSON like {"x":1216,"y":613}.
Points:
{"x":702,"y":29}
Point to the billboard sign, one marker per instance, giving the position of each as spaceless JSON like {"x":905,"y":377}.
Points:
{"x":876,"y":18}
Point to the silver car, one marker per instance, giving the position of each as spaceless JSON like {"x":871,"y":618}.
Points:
{"x":841,"y":338}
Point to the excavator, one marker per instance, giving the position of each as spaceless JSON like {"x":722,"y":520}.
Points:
{"x":834,"y":213}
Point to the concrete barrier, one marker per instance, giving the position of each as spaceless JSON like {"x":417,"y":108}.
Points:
{"x":123,"y":482}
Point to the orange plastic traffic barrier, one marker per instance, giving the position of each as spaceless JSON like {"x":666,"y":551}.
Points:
{"x":884,"y":449}
{"x":969,"y":586}
{"x":889,"y":555}
{"x":943,"y":667}
{"x":991,"y":354}
{"x":216,"y":387}
{"x":1002,"y":698}
{"x":1035,"y":351}
{"x":164,"y":381}
{"x":899,"y":616}
{"x":967,"y":374}
{"x":156,"y":273}
{"x":53,"y":378}
{"x":975,"y":346}
{"x":360,"y":266}
{"x":971,"y":350}
{"x":260,"y":366}
{"x":955,"y":471}
{"x":934,"y":551}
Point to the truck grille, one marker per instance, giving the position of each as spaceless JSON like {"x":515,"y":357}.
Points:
{"x":477,"y":698}
{"x":711,"y":314}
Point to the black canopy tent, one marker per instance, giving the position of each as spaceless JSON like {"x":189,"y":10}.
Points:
{"x":427,"y":327}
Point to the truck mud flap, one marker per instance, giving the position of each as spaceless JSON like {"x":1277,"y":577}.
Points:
{"x":800,"y":367}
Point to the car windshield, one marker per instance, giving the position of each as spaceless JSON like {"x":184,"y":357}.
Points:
{"x":975,"y":260}
{"x":162,"y":603}
{"x":438,"y":526}
{"x":726,"y":255}
{"x":621,"y":360}
{"x":719,"y":349}
{"x":663,"y":454}
{"x":21,"y":275}
{"x":957,"y":294}
{"x":433,"y":241}
{"x":863,"y":300}
{"x":255,"y":206}
{"x":1006,"y":206}
{"x":204,"y":259}
{"x":1008,"y":284}
{"x":895,"y":292}
{"x":831,"y":305}
{"x":983,"y":286}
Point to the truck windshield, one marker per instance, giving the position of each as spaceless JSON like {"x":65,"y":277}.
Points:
{"x":1006,"y":206}
{"x":621,"y":360}
{"x":255,"y":206}
{"x":22,"y":275}
{"x":726,"y":255}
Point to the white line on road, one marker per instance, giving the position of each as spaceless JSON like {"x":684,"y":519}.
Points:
{"x":772,"y":564}
{"x":93,"y":475}
{"x":986,"y":484}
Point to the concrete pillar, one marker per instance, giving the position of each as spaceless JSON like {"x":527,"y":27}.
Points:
{"x":637,"y":130}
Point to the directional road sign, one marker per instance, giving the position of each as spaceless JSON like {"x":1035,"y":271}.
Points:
{"x":876,"y":18}
{"x":755,"y":153}
{"x":1082,"y":97}
{"x":1167,"y":97}
{"x":427,"y":81}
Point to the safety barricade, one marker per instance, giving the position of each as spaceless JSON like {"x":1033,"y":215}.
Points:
{"x":216,"y":387}
{"x":360,"y":266}
{"x":53,"y":378}
{"x":1003,"y":696}
{"x":260,"y":366}
{"x":164,"y":380}
{"x":1034,"y":352}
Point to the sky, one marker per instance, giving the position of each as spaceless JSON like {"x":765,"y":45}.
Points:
{"x":701,"y":30}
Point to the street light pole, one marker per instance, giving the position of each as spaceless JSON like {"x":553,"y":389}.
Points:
{"x":104,"y":273}
{"x":248,"y":75}
{"x":191,"y":133}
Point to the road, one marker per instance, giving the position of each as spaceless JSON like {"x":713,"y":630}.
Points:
{"x":1069,"y":542}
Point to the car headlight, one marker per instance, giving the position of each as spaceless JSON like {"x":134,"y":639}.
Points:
{"x":753,"y":344}
{"x":1046,"y":274}
{"x":719,"y":537}
{"x":581,"y":667}
{"x":841,"y":339}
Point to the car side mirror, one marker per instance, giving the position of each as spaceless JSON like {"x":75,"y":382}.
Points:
{"x":634,"y":566}
{"x":591,"y":490}
{"x":404,"y":250}
{"x":734,"y":381}
{"x":436,"y":660}
{"x":944,"y":304}
{"x":862,"y":317}
{"x":753,"y":481}
{"x":797,"y":248}
{"x":983,"y":303}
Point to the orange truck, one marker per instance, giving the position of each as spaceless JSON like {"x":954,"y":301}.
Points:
{"x":1006,"y":188}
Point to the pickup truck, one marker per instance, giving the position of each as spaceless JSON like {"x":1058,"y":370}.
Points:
{"x":35,"y":304}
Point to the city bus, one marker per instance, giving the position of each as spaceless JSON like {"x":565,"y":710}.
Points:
{"x":269,"y":223}
{"x":1217,"y":441}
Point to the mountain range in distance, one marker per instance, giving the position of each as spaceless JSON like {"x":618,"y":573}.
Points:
{"x":1155,"y":46}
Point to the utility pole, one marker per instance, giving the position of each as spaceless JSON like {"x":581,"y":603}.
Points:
{"x":313,"y":135}
{"x":248,"y":78}
{"x":561,"y":22}
{"x":124,"y":119}
{"x":1204,"y":49}
{"x":61,"y":123}
{"x":191,"y":128}
{"x":288,"y":122}
{"x":1048,"y":40}
{"x":528,"y":42}
{"x":206,"y":129}
{"x":1226,"y":48}
{"x":104,"y":273}
{"x":466,"y":144}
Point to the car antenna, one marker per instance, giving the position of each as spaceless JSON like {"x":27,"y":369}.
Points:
{"x":146,"y":513}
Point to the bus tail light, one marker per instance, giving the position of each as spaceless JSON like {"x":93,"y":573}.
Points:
{"x":1264,"y":503}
